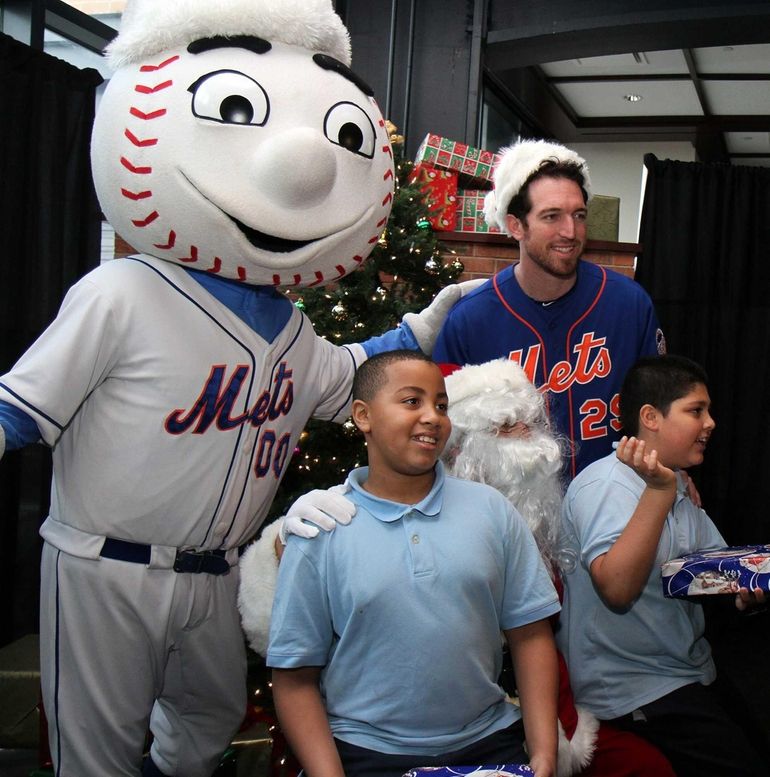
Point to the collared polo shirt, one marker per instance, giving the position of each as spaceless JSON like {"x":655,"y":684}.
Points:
{"x":404,"y":608}
{"x":619,"y":661}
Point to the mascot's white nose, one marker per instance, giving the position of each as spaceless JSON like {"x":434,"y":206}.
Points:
{"x":296,"y":169}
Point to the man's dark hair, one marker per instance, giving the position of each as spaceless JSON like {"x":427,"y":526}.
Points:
{"x":521,"y":204}
{"x":656,"y":381}
{"x":370,"y":376}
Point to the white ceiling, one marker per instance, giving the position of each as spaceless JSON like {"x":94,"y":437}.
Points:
{"x":717,"y":85}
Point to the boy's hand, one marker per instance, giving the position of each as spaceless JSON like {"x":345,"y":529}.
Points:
{"x":543,"y":766}
{"x":750,"y":600}
{"x":633,"y":452}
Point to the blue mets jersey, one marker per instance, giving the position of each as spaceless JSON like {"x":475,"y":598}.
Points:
{"x":577,"y":348}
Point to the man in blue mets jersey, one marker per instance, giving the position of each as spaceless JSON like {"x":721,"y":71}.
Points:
{"x":574,"y":327}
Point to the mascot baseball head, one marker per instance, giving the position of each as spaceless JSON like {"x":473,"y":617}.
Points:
{"x":234,"y":138}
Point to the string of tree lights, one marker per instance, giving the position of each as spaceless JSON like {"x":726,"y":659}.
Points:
{"x":406,"y":269}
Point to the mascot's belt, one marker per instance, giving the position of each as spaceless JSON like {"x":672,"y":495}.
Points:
{"x":212,"y":562}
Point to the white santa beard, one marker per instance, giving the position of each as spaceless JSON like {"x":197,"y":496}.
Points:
{"x":528,"y":471}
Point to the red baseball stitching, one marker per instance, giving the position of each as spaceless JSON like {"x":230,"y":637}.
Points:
{"x":146,"y":142}
{"x":136,"y":195}
{"x":193,"y":257}
{"x":140,"y":143}
{"x":147,"y":116}
{"x":169,"y":243}
{"x":133,"y":168}
{"x":152,"y":68}
{"x":142,"y":89}
{"x":146,"y":220}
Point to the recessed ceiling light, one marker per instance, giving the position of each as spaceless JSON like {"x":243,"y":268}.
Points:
{"x":633,"y":98}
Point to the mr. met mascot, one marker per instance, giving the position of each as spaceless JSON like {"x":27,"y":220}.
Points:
{"x":236,"y":151}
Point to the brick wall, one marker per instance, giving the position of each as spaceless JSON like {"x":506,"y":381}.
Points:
{"x":484,"y":255}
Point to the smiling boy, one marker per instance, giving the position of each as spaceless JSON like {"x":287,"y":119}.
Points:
{"x":384,"y":638}
{"x":636,"y":658}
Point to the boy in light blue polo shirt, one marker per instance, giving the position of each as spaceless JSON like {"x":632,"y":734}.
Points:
{"x":637,"y":659}
{"x":385,"y":635}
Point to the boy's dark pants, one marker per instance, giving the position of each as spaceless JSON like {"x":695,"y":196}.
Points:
{"x":697,"y":734}
{"x":505,"y":746}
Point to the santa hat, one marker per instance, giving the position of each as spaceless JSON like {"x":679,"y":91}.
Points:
{"x":518,"y":162}
{"x":149,"y":27}
{"x":500,"y":376}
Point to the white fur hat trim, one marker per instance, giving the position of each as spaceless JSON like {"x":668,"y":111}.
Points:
{"x":149,"y":27}
{"x":499,"y":375}
{"x":517,"y":163}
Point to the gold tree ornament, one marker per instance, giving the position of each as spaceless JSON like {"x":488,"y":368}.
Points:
{"x":393,"y":136}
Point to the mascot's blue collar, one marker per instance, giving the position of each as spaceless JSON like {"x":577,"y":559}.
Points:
{"x":265,"y":310}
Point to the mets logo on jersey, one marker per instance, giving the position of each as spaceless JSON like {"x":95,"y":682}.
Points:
{"x":596,"y":416}
{"x":215,"y":407}
{"x":593,"y":361}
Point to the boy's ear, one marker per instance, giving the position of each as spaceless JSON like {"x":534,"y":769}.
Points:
{"x":649,"y":418}
{"x":515,"y":227}
{"x":360,"y":414}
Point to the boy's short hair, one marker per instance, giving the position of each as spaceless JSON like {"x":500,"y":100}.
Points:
{"x":656,"y":381}
{"x":370,"y":376}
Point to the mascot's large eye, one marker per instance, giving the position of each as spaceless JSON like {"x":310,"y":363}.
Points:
{"x":348,"y":126}
{"x":230,"y":97}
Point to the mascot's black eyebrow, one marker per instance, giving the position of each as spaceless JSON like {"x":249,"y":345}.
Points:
{"x":249,"y":42}
{"x":329,"y":63}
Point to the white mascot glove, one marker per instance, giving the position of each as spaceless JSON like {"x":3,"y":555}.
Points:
{"x":325,"y":509}
{"x":2,"y":442}
{"x":259,"y":563}
{"x":426,"y":324}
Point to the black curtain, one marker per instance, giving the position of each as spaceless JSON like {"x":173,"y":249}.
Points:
{"x":705,"y":235}
{"x":50,"y":233}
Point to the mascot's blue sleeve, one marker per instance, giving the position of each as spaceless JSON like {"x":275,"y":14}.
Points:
{"x":19,"y":428}
{"x":394,"y":340}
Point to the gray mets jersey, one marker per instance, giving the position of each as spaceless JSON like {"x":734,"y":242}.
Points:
{"x":140,"y":348}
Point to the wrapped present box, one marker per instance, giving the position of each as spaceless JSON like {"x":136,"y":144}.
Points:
{"x":470,"y":212}
{"x":603,"y":216}
{"x":721,"y":571}
{"x":440,"y":188}
{"x":473,"y":166}
{"x":504,"y":770}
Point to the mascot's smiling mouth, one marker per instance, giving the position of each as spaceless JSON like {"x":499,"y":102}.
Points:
{"x":260,"y":240}
{"x":272,"y":243}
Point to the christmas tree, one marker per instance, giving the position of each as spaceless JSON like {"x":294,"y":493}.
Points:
{"x":406,"y":269}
